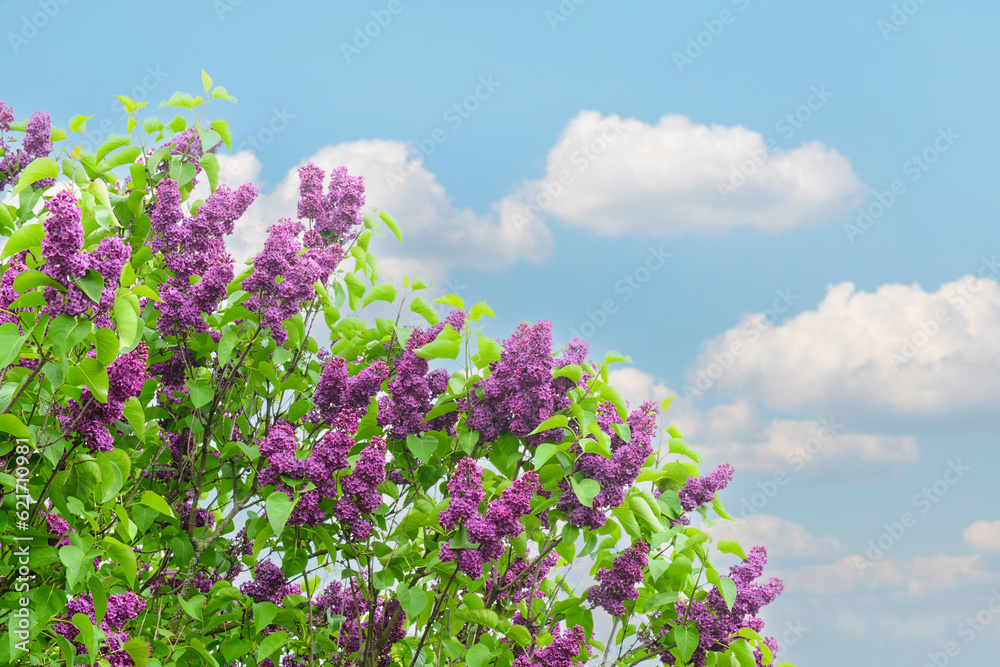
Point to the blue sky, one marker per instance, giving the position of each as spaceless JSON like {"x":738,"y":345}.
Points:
{"x":888,"y":95}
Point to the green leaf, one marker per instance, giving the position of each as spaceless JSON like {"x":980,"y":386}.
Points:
{"x":731,"y":547}
{"x":609,"y":393}
{"x":478,"y":655}
{"x":128,"y":103}
{"x":201,"y":392}
{"x":123,"y":556}
{"x":92,"y":284}
{"x":78,"y":123}
{"x":206,"y":81}
{"x":626,"y":517}
{"x":657,"y":566}
{"x":413,"y":600}
{"x":586,"y":489}
{"x":270,"y":644}
{"x":125,"y":156}
{"x":391,"y":224}
{"x":519,"y":634}
{"x":29,"y":280}
{"x":279,"y":507}
{"x":743,"y":652}
{"x":87,"y":636}
{"x":11,"y":343}
{"x":66,"y":331}
{"x":96,"y":376}
{"x":451,"y":300}
{"x":661,"y":600}
{"x":645,"y":514}
{"x":72,"y":557}
{"x":424,"y":309}
{"x":679,"y":446}
{"x":107,"y":346}
{"x":113,"y":143}
{"x":222,"y":127}
{"x":480,"y":309}
{"x":138,"y":650}
{"x":686,"y":639}
{"x":226,"y":347}
{"x":26,"y":237}
{"x":422,"y":447}
{"x":384,"y":292}
{"x":127,"y":321}
{"x":439,"y":349}
{"x":263,"y":614}
{"x":727,"y":587}
{"x":486,"y":617}
{"x":152,"y":124}
{"x":555,"y":421}
{"x":11,"y":424}
{"x":179,"y":99}
{"x":136,"y":416}
{"x":154,"y":500}
{"x":210,"y":164}
{"x":39,"y":168}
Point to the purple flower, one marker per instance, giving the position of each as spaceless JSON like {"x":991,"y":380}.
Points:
{"x":63,"y":239}
{"x":269,"y":584}
{"x":700,"y":490}
{"x":562,"y":652}
{"x":617,"y":584}
{"x":38,"y":136}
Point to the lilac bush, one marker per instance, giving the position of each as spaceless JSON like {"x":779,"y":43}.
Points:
{"x":198,"y":477}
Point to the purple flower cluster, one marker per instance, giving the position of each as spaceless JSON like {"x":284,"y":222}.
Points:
{"x":361,"y":494}
{"x":336,"y":390}
{"x":562,"y":652}
{"x":502,"y":520}
{"x":59,"y":527}
{"x":66,"y":262}
{"x":520,"y":392}
{"x":193,"y":247}
{"x":414,"y":387}
{"x":334,"y":213}
{"x":717,"y":625}
{"x":269,"y":584}
{"x":617,"y":474}
{"x":700,"y":490}
{"x":617,"y":584}
{"x":90,"y":419}
{"x":350,"y":602}
{"x":8,"y":294}
{"x":521,"y":590}
{"x":284,"y":277}
{"x":37,"y":143}
{"x":121,"y":608}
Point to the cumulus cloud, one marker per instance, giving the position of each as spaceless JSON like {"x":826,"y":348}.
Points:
{"x":438,"y":236}
{"x":983,"y":536}
{"x":615,"y":176}
{"x":914,"y":577}
{"x":899,"y":348}
{"x":737,"y":433}
{"x":781,"y":537}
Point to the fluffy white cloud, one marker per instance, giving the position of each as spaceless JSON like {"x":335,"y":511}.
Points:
{"x":615,"y":176}
{"x":736,"y":433}
{"x":781,"y":537}
{"x":438,"y":236}
{"x":983,"y":536}
{"x":898,"y":348}
{"x":915,"y":576}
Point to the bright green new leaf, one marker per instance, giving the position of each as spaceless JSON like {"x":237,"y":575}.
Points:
{"x":154,"y":500}
{"x":26,"y":237}
{"x":279,"y":507}
{"x":731,"y":547}
{"x":412,"y":600}
{"x":37,"y":169}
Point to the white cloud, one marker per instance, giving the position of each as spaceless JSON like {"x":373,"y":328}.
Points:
{"x":881,"y":350}
{"x":736,"y":433}
{"x":614,"y":176}
{"x":914,"y":577}
{"x":781,"y":537}
{"x":983,"y":536}
{"x":437,"y":236}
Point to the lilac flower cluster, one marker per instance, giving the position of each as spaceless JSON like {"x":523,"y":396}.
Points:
{"x":350,"y":602}
{"x":59,"y":527}
{"x":414,"y":387}
{"x":700,"y":490}
{"x":284,"y":277}
{"x":520,"y":392}
{"x":37,"y":143}
{"x":361,"y":494}
{"x":269,"y":584}
{"x":8,"y":294}
{"x":121,"y":608}
{"x":617,"y":474}
{"x":617,"y":584}
{"x":521,"y":583}
{"x":334,"y":213}
{"x":194,"y":247}
{"x":66,"y":262}
{"x":336,"y":390}
{"x":90,"y":419}
{"x":562,"y":652}
{"x":502,"y":519}
{"x":717,"y":625}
